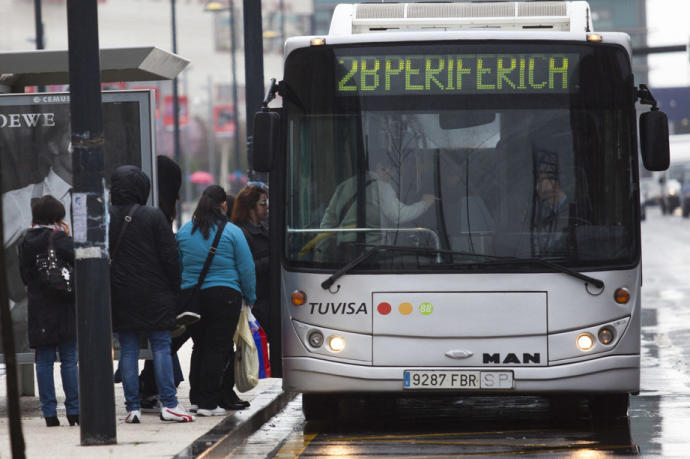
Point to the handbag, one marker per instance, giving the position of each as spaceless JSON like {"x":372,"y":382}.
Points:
{"x":55,"y":274}
{"x":246,"y":355}
{"x":261,"y":341}
{"x":189,"y":308}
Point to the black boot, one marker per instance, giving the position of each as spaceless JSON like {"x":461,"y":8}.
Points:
{"x":232,"y":402}
{"x":52,"y":421}
{"x":73,"y":419}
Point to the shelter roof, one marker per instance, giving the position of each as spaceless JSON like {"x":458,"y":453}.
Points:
{"x":46,"y":67}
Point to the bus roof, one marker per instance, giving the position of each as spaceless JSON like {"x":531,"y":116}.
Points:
{"x":573,"y":16}
{"x":293,"y":43}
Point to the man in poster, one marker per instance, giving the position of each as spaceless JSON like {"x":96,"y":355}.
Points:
{"x":16,"y":206}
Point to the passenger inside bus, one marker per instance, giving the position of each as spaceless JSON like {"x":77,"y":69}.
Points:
{"x":552,"y":210}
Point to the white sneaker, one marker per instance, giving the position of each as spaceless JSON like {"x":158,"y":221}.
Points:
{"x":177,"y":414}
{"x":193,"y":408}
{"x":133,"y":417}
{"x":217,"y":411}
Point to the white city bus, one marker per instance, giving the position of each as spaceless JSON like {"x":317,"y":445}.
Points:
{"x":455,"y":204}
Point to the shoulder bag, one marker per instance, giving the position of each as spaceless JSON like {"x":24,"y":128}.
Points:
{"x":128,"y":219}
{"x":55,"y":274}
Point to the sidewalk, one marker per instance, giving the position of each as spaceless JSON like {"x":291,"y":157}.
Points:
{"x":151,"y":438}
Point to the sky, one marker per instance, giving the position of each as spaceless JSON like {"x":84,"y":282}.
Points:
{"x":668,"y":23}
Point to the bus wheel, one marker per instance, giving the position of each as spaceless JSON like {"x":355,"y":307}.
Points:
{"x":609,"y":406}
{"x":319,"y":406}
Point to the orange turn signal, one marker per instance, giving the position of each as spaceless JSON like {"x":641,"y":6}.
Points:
{"x":298,"y":297}
{"x":622,"y":295}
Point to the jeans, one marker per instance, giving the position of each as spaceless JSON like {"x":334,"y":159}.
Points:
{"x":147,"y":380}
{"x":162,"y":367}
{"x":45,"y":358}
{"x":213,"y":346}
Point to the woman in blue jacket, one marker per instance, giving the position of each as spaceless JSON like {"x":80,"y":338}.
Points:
{"x":230,"y":279}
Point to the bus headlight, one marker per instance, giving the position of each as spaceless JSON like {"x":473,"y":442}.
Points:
{"x":585,"y":342}
{"x":606,"y":335}
{"x":315,"y":338}
{"x":336,"y":343}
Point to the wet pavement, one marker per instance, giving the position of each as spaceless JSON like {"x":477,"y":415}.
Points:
{"x":657,"y":425}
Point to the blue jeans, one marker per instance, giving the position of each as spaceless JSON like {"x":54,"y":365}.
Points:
{"x":162,"y":368}
{"x":45,"y":358}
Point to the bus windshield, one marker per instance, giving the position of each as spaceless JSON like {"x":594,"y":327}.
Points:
{"x":468,"y":151}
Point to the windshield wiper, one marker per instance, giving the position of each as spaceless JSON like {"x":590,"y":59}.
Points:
{"x":361,"y":258}
{"x":598,"y":283}
{"x":380,"y":248}
{"x":492,"y":259}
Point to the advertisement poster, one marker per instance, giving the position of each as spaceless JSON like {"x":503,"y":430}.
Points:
{"x":36,"y":159}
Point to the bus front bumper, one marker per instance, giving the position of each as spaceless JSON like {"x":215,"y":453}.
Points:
{"x":616,"y":373}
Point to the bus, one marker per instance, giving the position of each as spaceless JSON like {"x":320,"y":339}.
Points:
{"x":455,"y":205}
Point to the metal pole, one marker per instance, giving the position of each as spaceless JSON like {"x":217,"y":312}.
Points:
{"x":235,"y":111}
{"x":211,"y":132}
{"x":14,"y":414}
{"x":89,"y":208}
{"x":38,"y":17}
{"x":282,"y":22}
{"x":185,"y":146}
{"x":176,"y":113}
{"x":253,"y":65}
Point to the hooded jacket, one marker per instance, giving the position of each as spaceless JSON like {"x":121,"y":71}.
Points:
{"x":144,"y":269}
{"x":52,"y":319}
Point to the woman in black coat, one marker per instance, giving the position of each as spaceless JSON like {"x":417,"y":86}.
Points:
{"x":145,"y":280}
{"x":249,"y":212}
{"x":52,"y":318}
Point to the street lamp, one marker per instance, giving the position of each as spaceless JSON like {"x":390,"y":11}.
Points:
{"x":217,"y":7}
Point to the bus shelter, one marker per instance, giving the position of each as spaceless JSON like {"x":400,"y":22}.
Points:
{"x":21,"y":144}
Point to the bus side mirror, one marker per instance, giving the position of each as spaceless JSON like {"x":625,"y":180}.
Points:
{"x":654,"y":140}
{"x":265,"y":140}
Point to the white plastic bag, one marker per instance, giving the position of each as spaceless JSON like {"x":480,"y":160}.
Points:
{"x":246,"y":355}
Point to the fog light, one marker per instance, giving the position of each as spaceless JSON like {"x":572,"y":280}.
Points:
{"x":315,"y":338}
{"x":622,"y":295}
{"x":336,"y":343}
{"x":606,"y":335}
{"x":585,"y":342}
{"x":298,"y":298}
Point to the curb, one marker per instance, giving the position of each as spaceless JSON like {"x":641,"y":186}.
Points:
{"x":231,"y":431}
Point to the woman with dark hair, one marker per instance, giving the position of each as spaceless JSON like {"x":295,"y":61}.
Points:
{"x":52,"y":318}
{"x":249,"y":213}
{"x":230,"y":279}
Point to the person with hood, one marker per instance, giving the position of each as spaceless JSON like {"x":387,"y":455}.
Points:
{"x":52,"y":318}
{"x":169,"y":184}
{"x":145,"y":280}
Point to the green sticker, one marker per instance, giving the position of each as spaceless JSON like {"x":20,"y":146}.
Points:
{"x":426,"y":308}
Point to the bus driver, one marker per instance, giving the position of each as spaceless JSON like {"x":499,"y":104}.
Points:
{"x":383,"y":208}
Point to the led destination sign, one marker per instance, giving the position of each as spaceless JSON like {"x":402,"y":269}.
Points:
{"x":454,"y":74}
